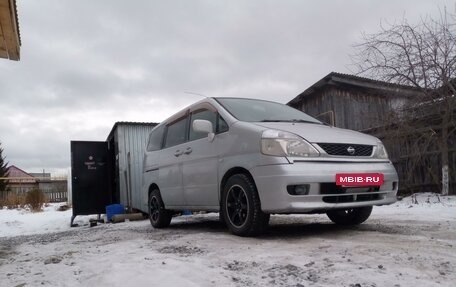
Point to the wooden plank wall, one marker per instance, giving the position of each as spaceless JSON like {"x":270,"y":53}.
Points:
{"x":57,"y":196}
{"x":352,"y":109}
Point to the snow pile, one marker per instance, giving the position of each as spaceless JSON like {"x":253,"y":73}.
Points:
{"x":421,"y":206}
{"x":16,"y":222}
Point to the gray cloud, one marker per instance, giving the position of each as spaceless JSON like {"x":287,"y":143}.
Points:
{"x":86,"y":64}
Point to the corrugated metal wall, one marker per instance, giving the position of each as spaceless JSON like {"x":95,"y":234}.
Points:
{"x":131,"y":140}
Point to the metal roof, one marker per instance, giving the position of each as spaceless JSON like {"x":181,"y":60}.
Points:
{"x":16,"y":175}
{"x":337,"y":79}
{"x":129,"y":124}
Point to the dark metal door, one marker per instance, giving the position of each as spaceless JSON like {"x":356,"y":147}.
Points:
{"x":90,"y":177}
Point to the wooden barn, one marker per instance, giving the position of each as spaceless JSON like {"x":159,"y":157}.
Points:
{"x":352,"y":102}
{"x":375,"y":107}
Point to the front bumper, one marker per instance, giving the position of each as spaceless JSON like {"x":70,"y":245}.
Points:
{"x":272,"y":182}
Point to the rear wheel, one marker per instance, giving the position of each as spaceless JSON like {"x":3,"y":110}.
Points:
{"x":352,"y":216}
{"x":158,"y":215}
{"x":241,"y":207}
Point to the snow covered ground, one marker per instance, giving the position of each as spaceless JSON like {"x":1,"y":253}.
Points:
{"x":405,"y":244}
{"x":22,"y":222}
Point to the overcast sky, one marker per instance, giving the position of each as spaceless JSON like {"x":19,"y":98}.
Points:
{"x":87,"y":64}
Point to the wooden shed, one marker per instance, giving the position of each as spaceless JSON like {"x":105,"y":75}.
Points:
{"x":352,"y":102}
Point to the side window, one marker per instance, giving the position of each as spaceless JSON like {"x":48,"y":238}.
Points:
{"x":156,"y":138}
{"x":222,"y":126}
{"x":201,"y":115}
{"x":176,"y":133}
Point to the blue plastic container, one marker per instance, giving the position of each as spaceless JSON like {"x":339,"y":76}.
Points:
{"x":114,"y":209}
{"x":186,"y":212}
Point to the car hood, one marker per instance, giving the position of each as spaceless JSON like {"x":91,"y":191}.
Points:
{"x":317,"y":133}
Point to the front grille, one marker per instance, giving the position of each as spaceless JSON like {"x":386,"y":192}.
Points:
{"x":352,"y":198}
{"x":333,"y":193}
{"x":332,"y":188}
{"x":344,"y":149}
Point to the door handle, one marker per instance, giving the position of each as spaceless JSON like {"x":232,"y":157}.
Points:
{"x":188,"y":150}
{"x":178,"y":153}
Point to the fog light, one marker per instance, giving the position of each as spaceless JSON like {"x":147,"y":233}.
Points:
{"x":301,"y":189}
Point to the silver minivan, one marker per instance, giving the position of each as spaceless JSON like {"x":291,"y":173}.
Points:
{"x":249,"y":158}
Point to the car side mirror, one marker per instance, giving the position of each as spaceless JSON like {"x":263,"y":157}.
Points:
{"x":204,"y":126}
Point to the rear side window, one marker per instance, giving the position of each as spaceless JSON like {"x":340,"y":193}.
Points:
{"x":201,"y":115}
{"x":176,"y":133}
{"x":156,"y":138}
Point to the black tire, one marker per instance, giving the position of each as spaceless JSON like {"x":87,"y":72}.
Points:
{"x":159,"y":217}
{"x":241,"y":207}
{"x":352,"y":216}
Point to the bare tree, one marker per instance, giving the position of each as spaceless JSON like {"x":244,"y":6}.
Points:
{"x":422,"y":56}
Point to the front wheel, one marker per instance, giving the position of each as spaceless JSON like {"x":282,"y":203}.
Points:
{"x":241,"y":207}
{"x":352,"y":216}
{"x":158,"y":215}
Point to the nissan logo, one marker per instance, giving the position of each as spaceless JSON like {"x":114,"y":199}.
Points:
{"x":351,"y":150}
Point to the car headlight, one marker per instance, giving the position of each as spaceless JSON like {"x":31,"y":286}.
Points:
{"x":381,"y":151}
{"x":280,"y":143}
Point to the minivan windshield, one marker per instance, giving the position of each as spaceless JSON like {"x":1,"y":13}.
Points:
{"x":249,"y":110}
